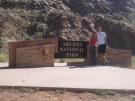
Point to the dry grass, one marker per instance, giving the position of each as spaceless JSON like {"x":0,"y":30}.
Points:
{"x":25,"y":94}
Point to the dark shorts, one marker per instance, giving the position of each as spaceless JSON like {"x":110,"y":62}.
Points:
{"x":102,"y":49}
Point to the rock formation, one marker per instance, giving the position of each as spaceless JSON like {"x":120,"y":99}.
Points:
{"x":67,"y":19}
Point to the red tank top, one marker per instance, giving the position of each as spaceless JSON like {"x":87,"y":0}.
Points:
{"x":92,"y":42}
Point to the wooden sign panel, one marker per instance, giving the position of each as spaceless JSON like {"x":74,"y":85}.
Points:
{"x":72,"y":49}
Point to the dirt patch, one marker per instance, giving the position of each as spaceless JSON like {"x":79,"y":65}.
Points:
{"x":24,"y":94}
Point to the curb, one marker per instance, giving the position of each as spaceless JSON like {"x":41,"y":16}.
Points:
{"x":76,"y":90}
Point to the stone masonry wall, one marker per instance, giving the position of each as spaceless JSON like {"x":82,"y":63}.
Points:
{"x":35,"y":56}
{"x":119,"y":57}
{"x":13,"y":46}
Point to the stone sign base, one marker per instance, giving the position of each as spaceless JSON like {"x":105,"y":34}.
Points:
{"x":120,"y":57}
{"x":117,"y":57}
{"x":37,"y":53}
{"x":35,"y":56}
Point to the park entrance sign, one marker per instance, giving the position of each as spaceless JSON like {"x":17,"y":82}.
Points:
{"x":41,"y":53}
{"x":72,"y":49}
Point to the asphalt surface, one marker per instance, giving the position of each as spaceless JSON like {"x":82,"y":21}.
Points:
{"x":62,"y":76}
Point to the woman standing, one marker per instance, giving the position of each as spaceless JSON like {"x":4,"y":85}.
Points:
{"x":92,"y":48}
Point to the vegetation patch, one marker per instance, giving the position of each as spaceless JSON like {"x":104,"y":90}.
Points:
{"x":3,"y":57}
{"x":133,"y":60}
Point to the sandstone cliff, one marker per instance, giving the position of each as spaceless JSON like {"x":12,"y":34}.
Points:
{"x":67,"y":19}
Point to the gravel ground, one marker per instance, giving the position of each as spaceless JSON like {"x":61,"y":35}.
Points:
{"x":24,"y":94}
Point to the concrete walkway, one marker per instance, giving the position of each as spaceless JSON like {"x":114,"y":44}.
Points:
{"x":101,"y":77}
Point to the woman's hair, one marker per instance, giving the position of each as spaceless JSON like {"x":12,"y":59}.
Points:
{"x":93,"y":35}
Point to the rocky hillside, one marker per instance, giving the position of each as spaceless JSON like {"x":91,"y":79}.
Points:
{"x":67,"y":19}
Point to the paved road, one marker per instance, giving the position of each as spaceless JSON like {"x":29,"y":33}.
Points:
{"x":101,"y":77}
